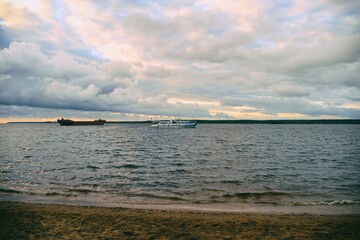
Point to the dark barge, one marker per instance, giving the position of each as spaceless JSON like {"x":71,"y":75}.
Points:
{"x":69,"y":122}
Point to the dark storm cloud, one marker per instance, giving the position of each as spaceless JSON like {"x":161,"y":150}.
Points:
{"x":31,"y":78}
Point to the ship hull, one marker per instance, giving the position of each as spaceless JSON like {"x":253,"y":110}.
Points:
{"x":68,"y":122}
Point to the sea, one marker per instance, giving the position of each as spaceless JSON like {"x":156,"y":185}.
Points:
{"x":235,"y":166}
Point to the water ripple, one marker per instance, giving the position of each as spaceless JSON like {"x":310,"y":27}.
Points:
{"x":277,"y":164}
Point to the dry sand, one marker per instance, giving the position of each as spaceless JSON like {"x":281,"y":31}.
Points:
{"x":45,"y":221}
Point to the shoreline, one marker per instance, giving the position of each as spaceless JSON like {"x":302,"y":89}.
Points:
{"x":39,"y":221}
{"x":231,"y":207}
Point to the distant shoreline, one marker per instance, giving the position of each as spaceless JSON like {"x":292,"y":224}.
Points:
{"x":297,"y":121}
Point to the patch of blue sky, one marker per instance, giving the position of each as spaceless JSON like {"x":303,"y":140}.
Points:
{"x":281,"y":4}
{"x":201,"y":7}
{"x":336,"y":24}
{"x":351,"y":12}
{"x":145,"y":3}
{"x":154,"y":8}
{"x":284,"y":3}
{"x":59,"y":11}
{"x":142,"y":3}
{"x":251,"y":96}
{"x":217,"y":31}
{"x":157,"y":12}
{"x":284,"y":19}
{"x":262,"y":44}
{"x":4,"y":39}
{"x":84,"y":53}
{"x":121,"y":15}
{"x":46,"y":46}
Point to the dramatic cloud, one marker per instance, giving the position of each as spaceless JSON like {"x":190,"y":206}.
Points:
{"x":30,"y":78}
{"x":195,"y":59}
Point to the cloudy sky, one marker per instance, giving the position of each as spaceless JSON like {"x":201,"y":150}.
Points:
{"x":203,"y":59}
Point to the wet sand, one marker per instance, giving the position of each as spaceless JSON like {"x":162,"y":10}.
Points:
{"x":50,"y":221}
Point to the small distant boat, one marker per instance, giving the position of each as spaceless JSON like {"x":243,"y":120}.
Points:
{"x":69,"y":122}
{"x":177,"y":123}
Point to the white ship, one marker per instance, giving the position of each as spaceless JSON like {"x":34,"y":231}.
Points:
{"x":177,"y":123}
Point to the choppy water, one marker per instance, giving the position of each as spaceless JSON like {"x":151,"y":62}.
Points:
{"x":136,"y":164}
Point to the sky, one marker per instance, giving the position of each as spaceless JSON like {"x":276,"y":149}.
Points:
{"x":194,"y":59}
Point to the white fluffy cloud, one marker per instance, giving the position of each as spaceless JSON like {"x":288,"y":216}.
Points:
{"x":254,"y":59}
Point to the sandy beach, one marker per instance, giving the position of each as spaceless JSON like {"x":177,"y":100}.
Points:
{"x":50,"y":221}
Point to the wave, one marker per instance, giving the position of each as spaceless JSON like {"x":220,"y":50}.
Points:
{"x":55,"y":194}
{"x":206,"y":201}
{"x":179,"y":171}
{"x":153,"y":196}
{"x":6,"y":190}
{"x":328,"y":202}
{"x":47,"y":194}
{"x":236,"y":182}
{"x":128,"y":166}
{"x":178,"y":164}
{"x":83,"y":191}
{"x":255,"y":195}
{"x":92,"y":167}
